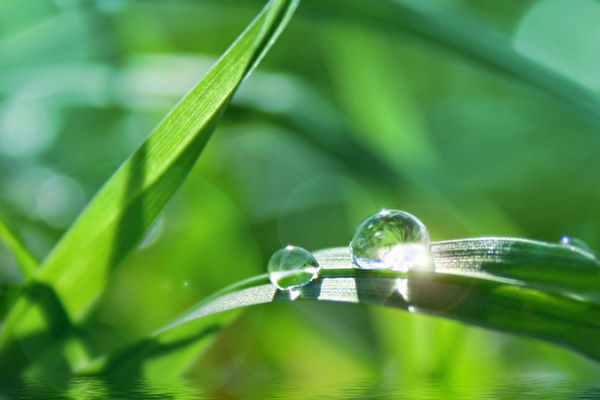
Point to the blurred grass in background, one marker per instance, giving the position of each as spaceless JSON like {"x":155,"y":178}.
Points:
{"x":347,"y":114}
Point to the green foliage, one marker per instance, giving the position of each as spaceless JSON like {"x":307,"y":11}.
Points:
{"x":480,"y":117}
{"x":439,"y":23}
{"x":25,"y":259}
{"x":79,"y":267}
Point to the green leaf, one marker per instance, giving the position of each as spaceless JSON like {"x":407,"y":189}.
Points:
{"x":169,"y":351}
{"x":312,"y":117}
{"x":26,"y":261}
{"x":388,"y":121}
{"x":513,"y":285}
{"x":468,"y":36}
{"x":166,"y":354}
{"x":116,"y":219}
{"x":80,"y":265}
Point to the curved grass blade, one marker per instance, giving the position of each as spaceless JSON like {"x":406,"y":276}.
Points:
{"x":116,"y":219}
{"x":513,"y":285}
{"x":169,"y":352}
{"x":467,"y":36}
{"x":166,"y":355}
{"x":313,"y":118}
{"x":26,"y":261}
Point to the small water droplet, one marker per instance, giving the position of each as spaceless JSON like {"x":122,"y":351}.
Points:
{"x":402,"y":288}
{"x":292,"y":267}
{"x":391,"y":239}
{"x":294,"y":293}
{"x":577,"y":243}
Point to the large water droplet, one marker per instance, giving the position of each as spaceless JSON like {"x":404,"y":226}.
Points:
{"x":292,"y":267}
{"x":578,"y":244}
{"x":391,"y":239}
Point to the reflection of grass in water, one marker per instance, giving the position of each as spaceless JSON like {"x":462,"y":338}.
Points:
{"x":548,"y":387}
{"x":98,"y":388}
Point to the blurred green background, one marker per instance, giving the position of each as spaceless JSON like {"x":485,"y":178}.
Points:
{"x":359,"y":105}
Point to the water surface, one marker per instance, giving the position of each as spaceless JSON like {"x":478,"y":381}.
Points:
{"x":547,"y":388}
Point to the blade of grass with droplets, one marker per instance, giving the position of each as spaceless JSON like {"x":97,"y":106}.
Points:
{"x":78,"y":268}
{"x":26,"y":261}
{"x":512,"y":285}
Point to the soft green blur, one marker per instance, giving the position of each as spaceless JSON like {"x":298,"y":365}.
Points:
{"x":346,"y":115}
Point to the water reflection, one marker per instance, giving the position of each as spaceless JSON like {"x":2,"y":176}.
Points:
{"x":546,"y":387}
{"x":96,"y":388}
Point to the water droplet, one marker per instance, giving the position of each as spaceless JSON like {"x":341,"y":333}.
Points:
{"x":402,"y":288}
{"x":577,"y":243}
{"x":292,"y":267}
{"x":391,"y":239}
{"x":294,"y":293}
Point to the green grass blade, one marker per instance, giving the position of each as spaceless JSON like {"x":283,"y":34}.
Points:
{"x":465,"y":35}
{"x":116,"y":219}
{"x":119,"y":215}
{"x":506,"y":284}
{"x":315,"y":120}
{"x":169,"y":352}
{"x":165,"y":355}
{"x":26,"y":261}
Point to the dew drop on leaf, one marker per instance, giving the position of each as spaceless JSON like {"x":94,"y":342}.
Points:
{"x":577,"y":243}
{"x":292,"y":267}
{"x":391,"y":239}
